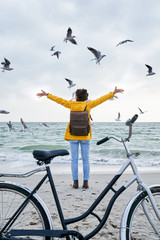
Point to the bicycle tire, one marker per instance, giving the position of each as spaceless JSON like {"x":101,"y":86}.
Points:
{"x":33,"y":216}
{"x":137,"y":224}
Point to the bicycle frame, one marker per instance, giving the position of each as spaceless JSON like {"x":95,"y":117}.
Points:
{"x":64,"y":222}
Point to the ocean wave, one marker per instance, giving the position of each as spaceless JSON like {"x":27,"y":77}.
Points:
{"x":18,"y":146}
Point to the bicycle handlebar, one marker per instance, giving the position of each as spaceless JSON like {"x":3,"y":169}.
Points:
{"x":102,"y":140}
{"x":132,"y":120}
{"x":129,"y":123}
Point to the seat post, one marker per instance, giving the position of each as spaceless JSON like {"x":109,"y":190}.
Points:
{"x":56,"y":197}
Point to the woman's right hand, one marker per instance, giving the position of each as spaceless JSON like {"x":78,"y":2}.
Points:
{"x":42,"y":93}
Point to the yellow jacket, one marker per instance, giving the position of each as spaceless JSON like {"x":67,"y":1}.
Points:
{"x":79,"y":106}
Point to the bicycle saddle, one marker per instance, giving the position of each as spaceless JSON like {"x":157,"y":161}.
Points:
{"x":44,"y":156}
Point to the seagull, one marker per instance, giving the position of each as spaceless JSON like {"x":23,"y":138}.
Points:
{"x":150,"y":72}
{"x":113,"y":98}
{"x":73,"y":96}
{"x":10,"y":125}
{"x":71,"y":84}
{"x":69,"y":36}
{"x":44,"y":124}
{"x":97,"y":54}
{"x":125,"y":41}
{"x":118,"y":118}
{"x":52,"y":48}
{"x":4,"y":111}
{"x":141,"y":112}
{"x":23,"y":123}
{"x":6,"y":66}
{"x":57,"y":53}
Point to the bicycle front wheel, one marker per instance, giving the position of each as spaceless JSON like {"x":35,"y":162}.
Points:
{"x":138,"y":225}
{"x":33,"y":216}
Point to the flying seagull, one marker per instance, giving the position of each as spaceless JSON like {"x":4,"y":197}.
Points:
{"x":141,"y":112}
{"x":23,"y":123}
{"x":97,"y":54}
{"x":71,"y":84}
{"x":10,"y":126}
{"x":69,"y":36}
{"x":57,"y":53}
{"x":73,"y":96}
{"x":52,"y":48}
{"x":44,"y":124}
{"x":118,"y":118}
{"x":150,"y":72}
{"x":4,"y":111}
{"x":124,"y":41}
{"x":6,"y":66}
{"x":113,"y":98}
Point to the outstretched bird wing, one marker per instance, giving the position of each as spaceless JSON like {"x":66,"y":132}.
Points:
{"x":69,"y":32}
{"x":94,"y":51}
{"x":69,"y":81}
{"x":149,"y":68}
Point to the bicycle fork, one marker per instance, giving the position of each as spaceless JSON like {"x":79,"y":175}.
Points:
{"x":154,"y":205}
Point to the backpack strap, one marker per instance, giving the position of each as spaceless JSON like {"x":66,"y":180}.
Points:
{"x":85,"y":108}
{"x":91,"y":117}
{"x":90,"y":114}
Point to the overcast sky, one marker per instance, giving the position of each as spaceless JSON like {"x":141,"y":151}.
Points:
{"x":29,"y":28}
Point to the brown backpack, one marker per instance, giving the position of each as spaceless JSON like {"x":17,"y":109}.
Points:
{"x":79,"y":123}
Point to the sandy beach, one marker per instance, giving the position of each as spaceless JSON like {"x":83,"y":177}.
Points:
{"x":76,"y":201}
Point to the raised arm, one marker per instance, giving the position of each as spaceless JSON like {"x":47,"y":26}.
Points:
{"x":104,"y":98}
{"x":56,"y":99}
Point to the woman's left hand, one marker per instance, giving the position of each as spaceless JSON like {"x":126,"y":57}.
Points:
{"x":118,"y":90}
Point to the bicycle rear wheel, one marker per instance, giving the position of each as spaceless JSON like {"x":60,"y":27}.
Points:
{"x":33,"y":216}
{"x":138,"y":226}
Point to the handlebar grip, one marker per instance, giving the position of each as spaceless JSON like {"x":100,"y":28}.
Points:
{"x":129,"y":122}
{"x":134,"y":118}
{"x":102,"y":140}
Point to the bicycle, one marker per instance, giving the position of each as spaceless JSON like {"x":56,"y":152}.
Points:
{"x":23,"y":215}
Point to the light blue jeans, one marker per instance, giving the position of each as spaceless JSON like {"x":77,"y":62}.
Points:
{"x":85,"y":148}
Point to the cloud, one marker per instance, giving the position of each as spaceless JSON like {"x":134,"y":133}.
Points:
{"x":29,"y":28}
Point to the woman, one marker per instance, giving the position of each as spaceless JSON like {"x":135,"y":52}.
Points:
{"x":80,"y":104}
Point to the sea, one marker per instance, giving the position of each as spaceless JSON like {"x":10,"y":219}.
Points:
{"x":17,"y":145}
